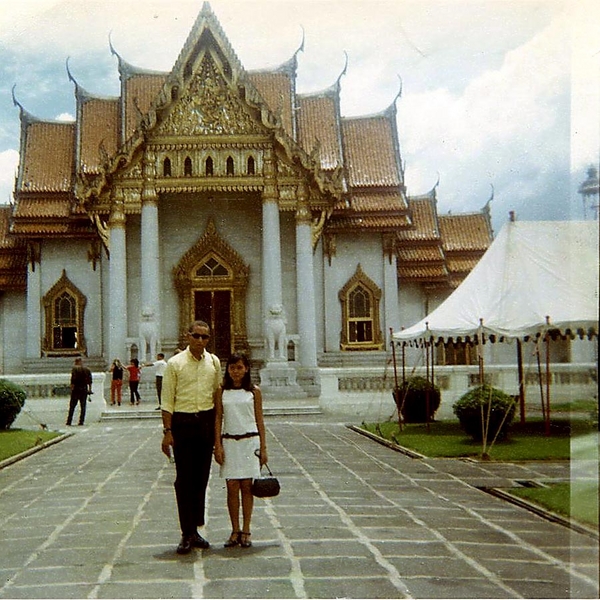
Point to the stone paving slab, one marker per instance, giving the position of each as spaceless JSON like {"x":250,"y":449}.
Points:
{"x":95,"y":517}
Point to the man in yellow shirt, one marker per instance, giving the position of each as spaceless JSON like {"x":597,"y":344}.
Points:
{"x":190,"y":381}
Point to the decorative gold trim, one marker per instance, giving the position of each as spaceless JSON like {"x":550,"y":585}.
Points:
{"x":64,"y":284}
{"x":360,"y":278}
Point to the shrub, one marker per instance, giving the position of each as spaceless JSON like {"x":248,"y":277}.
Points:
{"x":411,"y":399}
{"x":468,"y":409}
{"x":12,"y":399}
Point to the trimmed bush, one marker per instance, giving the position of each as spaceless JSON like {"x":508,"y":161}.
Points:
{"x":468,"y":409}
{"x":12,"y":399}
{"x":411,"y":399}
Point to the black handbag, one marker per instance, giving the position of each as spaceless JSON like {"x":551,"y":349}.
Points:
{"x":266,"y":487}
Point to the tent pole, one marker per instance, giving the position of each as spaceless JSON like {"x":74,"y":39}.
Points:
{"x":521,"y":380}
{"x":427,"y":345}
{"x":539,"y":368}
{"x":547,"y":383}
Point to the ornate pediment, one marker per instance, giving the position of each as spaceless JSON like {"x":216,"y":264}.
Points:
{"x":208,"y":106}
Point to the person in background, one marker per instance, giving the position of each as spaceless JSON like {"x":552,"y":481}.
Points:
{"x":116,"y":382}
{"x":240,"y":444}
{"x":190,"y":382}
{"x":135,"y":374}
{"x":160,"y":364}
{"x":81,"y":388}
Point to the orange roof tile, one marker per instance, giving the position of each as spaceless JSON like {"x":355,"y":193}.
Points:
{"x":461,"y":264}
{"x":99,"y":127}
{"x":465,"y":232}
{"x":370,"y":154}
{"x":275,"y":89}
{"x":414,"y":253}
{"x":141,"y":90}
{"x":318,"y":126}
{"x":48,"y":158}
{"x":424,"y":221}
{"x":424,"y":272}
{"x":42,"y":207}
{"x":367,"y":222}
{"x":379,"y":201}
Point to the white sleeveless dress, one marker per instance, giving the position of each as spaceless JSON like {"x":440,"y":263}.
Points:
{"x":240,"y":461}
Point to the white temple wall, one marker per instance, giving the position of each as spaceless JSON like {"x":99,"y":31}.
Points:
{"x":13,"y":323}
{"x":351,"y":251}
{"x":287,"y":224}
{"x":319,"y":272}
{"x":73,"y":258}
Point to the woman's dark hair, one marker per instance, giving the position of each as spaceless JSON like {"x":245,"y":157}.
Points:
{"x":135,"y":362}
{"x":246,"y":381}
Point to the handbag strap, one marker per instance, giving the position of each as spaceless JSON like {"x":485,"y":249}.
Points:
{"x":257,"y":453}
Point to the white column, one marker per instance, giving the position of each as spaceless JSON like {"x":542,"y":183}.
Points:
{"x":390,"y":293}
{"x":305,"y":286}
{"x":34,"y":303}
{"x":150,"y":267}
{"x":271,"y":241}
{"x":117,"y":283}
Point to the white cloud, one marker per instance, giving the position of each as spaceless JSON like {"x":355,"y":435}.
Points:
{"x":9,"y":161}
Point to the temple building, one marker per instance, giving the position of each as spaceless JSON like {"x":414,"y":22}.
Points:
{"x":216,"y":193}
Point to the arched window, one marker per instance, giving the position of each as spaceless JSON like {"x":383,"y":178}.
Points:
{"x":251,"y":166}
{"x":229,"y":165}
{"x":208,"y":166}
{"x":167,"y":167}
{"x":360,"y":299}
{"x":187,"y":167}
{"x":64,"y":306}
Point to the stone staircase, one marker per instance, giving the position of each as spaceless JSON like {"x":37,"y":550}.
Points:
{"x":270,"y":409}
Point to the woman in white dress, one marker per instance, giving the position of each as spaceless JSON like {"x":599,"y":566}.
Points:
{"x":240,"y":444}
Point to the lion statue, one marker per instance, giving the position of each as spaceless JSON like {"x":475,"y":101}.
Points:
{"x":148,"y":335}
{"x":275,"y":330}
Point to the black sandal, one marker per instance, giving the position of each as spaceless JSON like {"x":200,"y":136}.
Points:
{"x":245,"y":539}
{"x":234,"y":539}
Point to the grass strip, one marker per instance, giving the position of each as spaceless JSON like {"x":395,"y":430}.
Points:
{"x":15,"y":441}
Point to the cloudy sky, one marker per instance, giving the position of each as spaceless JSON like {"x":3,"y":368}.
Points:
{"x":497,"y":94}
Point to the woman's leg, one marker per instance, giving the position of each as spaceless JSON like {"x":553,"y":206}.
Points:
{"x":118,"y":387}
{"x":233,"y":503}
{"x":247,"y":506}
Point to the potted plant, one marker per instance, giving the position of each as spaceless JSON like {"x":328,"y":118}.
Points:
{"x":12,"y":399}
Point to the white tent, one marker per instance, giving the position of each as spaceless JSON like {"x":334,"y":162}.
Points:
{"x":535,"y":276}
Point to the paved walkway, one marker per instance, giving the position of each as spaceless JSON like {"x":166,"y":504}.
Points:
{"x":94,"y":517}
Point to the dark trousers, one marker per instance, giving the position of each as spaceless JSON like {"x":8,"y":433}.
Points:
{"x":193,"y":441}
{"x":133,"y":392}
{"x":159,"y":387}
{"x":77,"y":396}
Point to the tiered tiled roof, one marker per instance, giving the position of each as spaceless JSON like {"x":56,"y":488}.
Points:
{"x":13,"y":256}
{"x":464,"y":238}
{"x":361,"y":154}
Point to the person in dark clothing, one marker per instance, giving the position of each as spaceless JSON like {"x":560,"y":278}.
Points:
{"x":81,"y":388}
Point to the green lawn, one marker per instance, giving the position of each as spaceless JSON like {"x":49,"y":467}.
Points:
{"x":579,"y":501}
{"x":446,"y":439}
{"x":15,"y":441}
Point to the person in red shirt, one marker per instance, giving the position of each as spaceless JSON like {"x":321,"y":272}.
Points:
{"x":135,"y":373}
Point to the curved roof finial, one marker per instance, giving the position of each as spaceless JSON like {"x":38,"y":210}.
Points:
{"x":69,"y":74}
{"x":110,"y":45}
{"x":301,"y":47}
{"x":344,"y":69}
{"x":437,"y":182}
{"x":14,"y":98}
{"x":399,"y":94}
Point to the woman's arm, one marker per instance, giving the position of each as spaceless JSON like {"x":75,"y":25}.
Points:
{"x":219,"y":453}
{"x":260,"y":424}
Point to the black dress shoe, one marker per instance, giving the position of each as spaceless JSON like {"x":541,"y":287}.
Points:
{"x":185,"y":545}
{"x":199,"y":542}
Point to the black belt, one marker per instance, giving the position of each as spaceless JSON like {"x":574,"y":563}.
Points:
{"x":241,"y":436}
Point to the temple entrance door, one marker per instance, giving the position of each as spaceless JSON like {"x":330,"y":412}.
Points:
{"x":214,"y":307}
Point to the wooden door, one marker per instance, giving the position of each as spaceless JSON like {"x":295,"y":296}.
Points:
{"x":214,"y":307}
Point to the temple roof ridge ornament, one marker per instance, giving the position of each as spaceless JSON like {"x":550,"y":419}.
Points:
{"x":126,"y":69}
{"x":81,"y":93}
